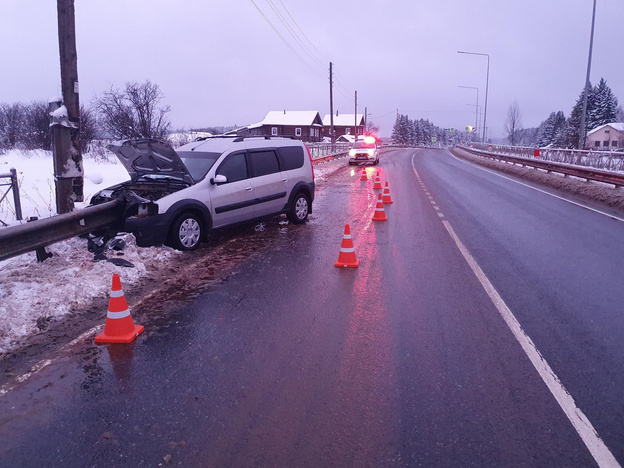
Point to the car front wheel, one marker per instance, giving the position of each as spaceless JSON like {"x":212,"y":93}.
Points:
{"x":300,"y":209}
{"x":186,"y":232}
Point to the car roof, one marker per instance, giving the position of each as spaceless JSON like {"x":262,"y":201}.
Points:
{"x":221,"y":145}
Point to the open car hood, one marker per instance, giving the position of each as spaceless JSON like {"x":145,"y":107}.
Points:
{"x":147,"y":156}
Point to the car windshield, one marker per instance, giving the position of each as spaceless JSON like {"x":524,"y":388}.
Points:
{"x":198,"y":164}
{"x":363,"y":144}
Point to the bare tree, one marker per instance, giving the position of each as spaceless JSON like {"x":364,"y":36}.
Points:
{"x":134,"y":112}
{"x":371,"y":128}
{"x":88,"y":127}
{"x":11,"y":124}
{"x":36,"y":128}
{"x":513,"y":124}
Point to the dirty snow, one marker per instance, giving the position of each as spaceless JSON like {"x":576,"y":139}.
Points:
{"x":68,"y":281}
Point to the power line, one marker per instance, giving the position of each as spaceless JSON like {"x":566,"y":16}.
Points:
{"x":293,"y":33}
{"x":286,"y":42}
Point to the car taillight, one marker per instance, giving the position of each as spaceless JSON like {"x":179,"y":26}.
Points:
{"x":371,"y":152}
{"x":312,"y":165}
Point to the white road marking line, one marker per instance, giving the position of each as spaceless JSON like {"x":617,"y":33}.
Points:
{"x":539,"y":190}
{"x":599,"y":451}
{"x":441,"y":215}
{"x":582,"y":425}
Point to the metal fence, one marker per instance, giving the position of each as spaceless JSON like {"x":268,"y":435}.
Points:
{"x":607,"y":160}
{"x":319,"y":150}
{"x":12,"y":186}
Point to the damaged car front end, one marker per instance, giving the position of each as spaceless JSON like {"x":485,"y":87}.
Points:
{"x":155,"y":171}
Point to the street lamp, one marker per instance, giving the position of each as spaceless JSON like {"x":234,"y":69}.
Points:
{"x":487,"y":81}
{"x":582,"y":130}
{"x":477,"y":105}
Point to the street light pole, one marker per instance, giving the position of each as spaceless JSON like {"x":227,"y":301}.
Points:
{"x":582,"y":130}
{"x":477,"y":105}
{"x":487,"y":83}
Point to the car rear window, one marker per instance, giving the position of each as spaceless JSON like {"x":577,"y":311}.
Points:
{"x":198,"y":164}
{"x":363,"y":144}
{"x":292,"y":156}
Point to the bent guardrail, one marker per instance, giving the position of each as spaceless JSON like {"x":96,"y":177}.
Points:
{"x":16,"y":240}
{"x":582,"y":172}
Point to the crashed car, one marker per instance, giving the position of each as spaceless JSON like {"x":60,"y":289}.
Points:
{"x":175,"y":197}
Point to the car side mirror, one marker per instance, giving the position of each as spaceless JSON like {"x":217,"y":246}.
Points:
{"x":218,"y":179}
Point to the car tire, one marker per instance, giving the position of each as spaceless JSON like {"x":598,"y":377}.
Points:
{"x":186,"y":232}
{"x":298,"y":213}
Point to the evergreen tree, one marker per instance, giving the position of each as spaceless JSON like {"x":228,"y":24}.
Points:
{"x":606,"y":106}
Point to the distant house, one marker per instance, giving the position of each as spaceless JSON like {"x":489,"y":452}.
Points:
{"x":344,"y":124}
{"x":302,"y":125}
{"x":606,"y":137}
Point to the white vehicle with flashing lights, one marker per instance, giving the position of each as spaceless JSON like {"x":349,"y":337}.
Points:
{"x":364,"y":152}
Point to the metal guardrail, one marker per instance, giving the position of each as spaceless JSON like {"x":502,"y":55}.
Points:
{"x":607,"y":160}
{"x":16,"y":240}
{"x":576,"y":171}
{"x":319,"y":150}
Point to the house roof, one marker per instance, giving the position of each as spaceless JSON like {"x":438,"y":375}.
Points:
{"x":343,"y":120}
{"x":295,"y":118}
{"x":618,"y":126}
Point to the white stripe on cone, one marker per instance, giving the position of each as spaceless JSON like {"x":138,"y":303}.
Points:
{"x":118,"y":315}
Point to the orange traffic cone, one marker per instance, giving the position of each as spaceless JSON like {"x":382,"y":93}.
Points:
{"x":386,"y":195}
{"x":364,"y":176}
{"x":377,"y":182}
{"x":119,"y":326}
{"x":346,"y":258}
{"x":380,"y":213}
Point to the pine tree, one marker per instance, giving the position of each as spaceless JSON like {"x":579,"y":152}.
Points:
{"x":606,"y":106}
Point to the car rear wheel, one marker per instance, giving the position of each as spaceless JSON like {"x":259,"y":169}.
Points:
{"x":186,"y":232}
{"x":300,"y":209}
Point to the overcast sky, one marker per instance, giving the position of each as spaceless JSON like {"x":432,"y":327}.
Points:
{"x":220,"y":62}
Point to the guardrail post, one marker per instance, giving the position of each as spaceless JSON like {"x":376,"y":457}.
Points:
{"x":16,"y":197}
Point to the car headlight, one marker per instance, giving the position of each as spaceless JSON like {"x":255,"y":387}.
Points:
{"x":371,"y":152}
{"x":352,"y":152}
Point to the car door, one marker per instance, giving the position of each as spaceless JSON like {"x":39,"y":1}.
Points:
{"x":270,"y":182}
{"x":233,"y":201}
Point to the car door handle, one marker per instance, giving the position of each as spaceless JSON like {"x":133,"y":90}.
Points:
{"x":249,"y":189}
{"x":284,"y":180}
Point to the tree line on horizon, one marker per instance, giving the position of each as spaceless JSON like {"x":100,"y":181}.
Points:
{"x":421,"y":132}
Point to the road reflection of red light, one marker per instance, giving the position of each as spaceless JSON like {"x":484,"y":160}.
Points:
{"x":366,"y":387}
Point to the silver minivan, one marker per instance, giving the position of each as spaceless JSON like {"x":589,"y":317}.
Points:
{"x":175,"y":197}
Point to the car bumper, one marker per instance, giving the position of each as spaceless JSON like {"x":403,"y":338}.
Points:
{"x":362,"y":159}
{"x":148,"y":230}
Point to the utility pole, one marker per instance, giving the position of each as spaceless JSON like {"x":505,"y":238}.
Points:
{"x":582,"y":130}
{"x":356,"y":122}
{"x":331,"y":105}
{"x":65,"y":120}
{"x":365,"y":118}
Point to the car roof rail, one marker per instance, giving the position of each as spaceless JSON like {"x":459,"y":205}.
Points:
{"x":266,"y":137}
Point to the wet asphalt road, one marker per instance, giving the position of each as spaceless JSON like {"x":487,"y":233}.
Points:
{"x":403,"y":361}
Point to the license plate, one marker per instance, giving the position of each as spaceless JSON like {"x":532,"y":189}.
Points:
{"x":360,"y":157}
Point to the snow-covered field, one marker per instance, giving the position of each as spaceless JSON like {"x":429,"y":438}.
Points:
{"x":30,"y":291}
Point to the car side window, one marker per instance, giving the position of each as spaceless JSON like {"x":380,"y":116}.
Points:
{"x":264,"y":162}
{"x":234,"y":167}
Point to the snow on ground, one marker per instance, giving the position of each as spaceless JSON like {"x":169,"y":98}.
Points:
{"x":70,"y":279}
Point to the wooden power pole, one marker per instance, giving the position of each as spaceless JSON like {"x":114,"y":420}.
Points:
{"x":65,"y":116}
